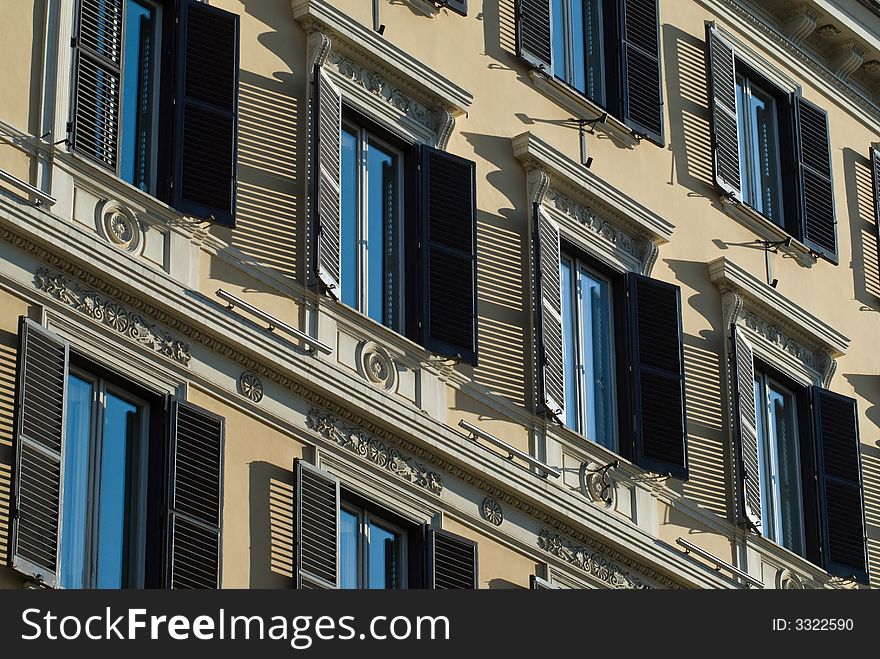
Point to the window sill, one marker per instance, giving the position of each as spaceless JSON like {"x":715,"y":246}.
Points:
{"x":767,"y":230}
{"x":583,"y":108}
{"x":777,"y":560}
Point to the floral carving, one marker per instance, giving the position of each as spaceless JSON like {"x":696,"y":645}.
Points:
{"x":251,"y":386}
{"x":491,"y":511}
{"x":112,"y":314}
{"x":774,"y":335}
{"x":588,"y":218}
{"x":373,"y":449}
{"x":591,"y":562}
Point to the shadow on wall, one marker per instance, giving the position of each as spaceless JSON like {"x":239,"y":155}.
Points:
{"x":8,"y":349}
{"x":499,"y":27}
{"x":271,"y":526}
{"x":863,"y":229}
{"x":705,"y":393}
{"x":690,"y":135}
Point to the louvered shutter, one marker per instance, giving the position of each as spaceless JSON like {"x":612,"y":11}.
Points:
{"x":841,"y":497}
{"x":195,"y":497}
{"x":640,"y":68}
{"x":326,"y":182}
{"x":317,"y":527}
{"x":725,"y":126}
{"x":452,"y":561}
{"x":458,"y":6}
{"x":875,"y":171}
{"x":449,"y":315}
{"x":746,"y":420}
{"x":548,"y":310}
{"x":534,"y":34}
{"x":97,"y":72}
{"x":816,"y":191}
{"x":206,"y":113}
{"x":657,"y":367}
{"x":40,"y":399}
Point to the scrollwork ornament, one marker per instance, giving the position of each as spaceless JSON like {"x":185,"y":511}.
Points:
{"x":491,"y":511}
{"x":788,"y":580}
{"x":251,"y":386}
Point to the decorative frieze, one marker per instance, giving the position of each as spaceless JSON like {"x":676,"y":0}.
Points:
{"x":589,"y":219}
{"x":112,"y":314}
{"x":590,"y":561}
{"x":779,"y":339}
{"x":373,"y":449}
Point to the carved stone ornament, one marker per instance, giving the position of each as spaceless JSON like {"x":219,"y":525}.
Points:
{"x":491,"y":511}
{"x":112,"y":314}
{"x":118,"y":226}
{"x":788,"y":580}
{"x":376,"y":365}
{"x":374,"y":450}
{"x":591,"y":562}
{"x":596,"y":484}
{"x":779,"y":339}
{"x":250,"y":386}
{"x":591,"y":220}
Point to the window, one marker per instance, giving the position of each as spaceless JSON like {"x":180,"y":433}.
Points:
{"x":588,"y":352}
{"x":371,"y":267}
{"x":578,"y":46}
{"x":372,"y":551}
{"x":779,"y":463}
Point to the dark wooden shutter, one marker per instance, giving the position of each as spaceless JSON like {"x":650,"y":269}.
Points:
{"x":326,"y":181}
{"x":449,"y":315}
{"x":40,"y":399}
{"x":818,"y":223}
{"x":725,"y":126}
{"x":875,"y":173}
{"x":534,"y":34}
{"x":746,"y":420}
{"x":317,"y":527}
{"x":548,"y":311}
{"x":657,"y":366}
{"x":458,"y":6}
{"x":206,"y":113}
{"x":195,"y":497}
{"x":640,"y":68}
{"x":841,"y":498}
{"x":452,"y":561}
{"x":97,"y":71}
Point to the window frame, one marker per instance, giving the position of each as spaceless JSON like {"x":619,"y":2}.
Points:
{"x":367,"y":515}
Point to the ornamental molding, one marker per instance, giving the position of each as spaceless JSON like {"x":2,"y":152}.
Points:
{"x":376,"y":365}
{"x":590,"y":219}
{"x":112,"y":314}
{"x":250,"y":386}
{"x":788,"y":580}
{"x":118,"y":226}
{"x":590,"y":561}
{"x":491,"y":511}
{"x":374,"y":450}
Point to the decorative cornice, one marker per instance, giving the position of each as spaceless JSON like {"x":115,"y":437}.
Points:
{"x":800,"y":23}
{"x":589,"y":219}
{"x":112,"y":314}
{"x":780,"y":340}
{"x":371,"y":448}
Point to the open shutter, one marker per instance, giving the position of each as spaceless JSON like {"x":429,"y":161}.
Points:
{"x":452,"y":561}
{"x":534,"y":34}
{"x":97,"y":71}
{"x":326,"y":183}
{"x":317,"y":527}
{"x":206,"y":113}
{"x":458,"y":6}
{"x":195,"y":497}
{"x":816,"y":191}
{"x":39,"y":445}
{"x":449,"y":261}
{"x":640,"y":68}
{"x":841,"y":497}
{"x":657,"y":366}
{"x":745,"y":414}
{"x":548,"y":308}
{"x":725,"y":126}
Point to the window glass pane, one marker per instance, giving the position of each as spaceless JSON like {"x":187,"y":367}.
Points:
{"x":570,"y":345}
{"x":381,"y":240}
{"x":348,"y":550}
{"x":789,"y":516}
{"x":594,"y":57}
{"x":138,"y":84}
{"x":118,"y":497}
{"x":76,"y":482}
{"x":559,"y":47}
{"x":577,"y":74}
{"x":384,"y":568}
{"x":349,"y":229}
{"x":598,"y":384}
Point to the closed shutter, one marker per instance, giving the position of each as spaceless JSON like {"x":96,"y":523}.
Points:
{"x":841,"y":497}
{"x":657,"y":366}
{"x":746,"y":419}
{"x":534,"y":34}
{"x":725,"y":126}
{"x":548,"y":309}
{"x":97,"y":70}
{"x":195,"y":497}
{"x":326,"y":182}
{"x":40,"y":399}
{"x":452,"y":561}
{"x":640,"y":68}
{"x":206,"y":113}
{"x":449,"y":315}
{"x":458,"y":6}
{"x":816,"y":191}
{"x":317,"y":527}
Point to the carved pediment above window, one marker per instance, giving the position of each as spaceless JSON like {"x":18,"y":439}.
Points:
{"x":383,"y":81}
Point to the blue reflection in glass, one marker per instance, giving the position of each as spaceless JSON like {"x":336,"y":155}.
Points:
{"x":578,"y":46}
{"x":76,"y":482}
{"x":384,"y":556}
{"x":569,"y":345}
{"x":348,"y":550}
{"x":135,"y":139}
{"x":559,"y":48}
{"x":349,"y":229}
{"x":380,"y":232}
{"x":598,"y":385}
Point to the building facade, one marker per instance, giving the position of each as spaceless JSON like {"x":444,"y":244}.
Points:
{"x":460,"y":294}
